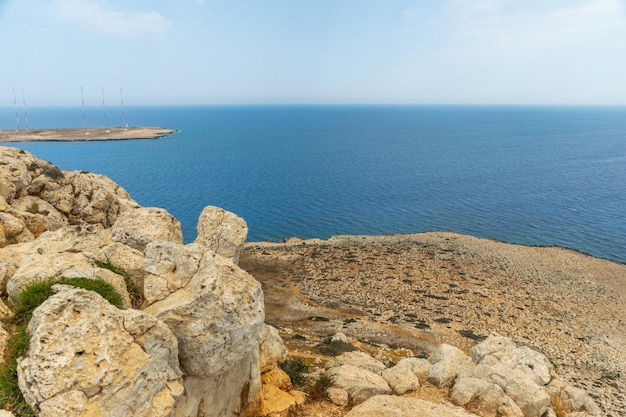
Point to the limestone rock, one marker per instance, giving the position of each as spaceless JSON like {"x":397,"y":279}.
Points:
{"x":140,"y":226}
{"x":13,"y":230}
{"x":96,"y":273}
{"x":4,"y":312}
{"x":271,"y":348}
{"x":169,"y":267}
{"x":87,"y":358}
{"x":338,"y":396}
{"x":10,"y":258}
{"x":571,"y":399}
{"x":278,"y":378}
{"x":448,"y":362}
{"x":359,"y":383}
{"x":222,"y":232}
{"x":124,"y":258}
{"x":484,"y":398}
{"x":359,"y":359}
{"x":495,"y":345}
{"x":531,"y":398}
{"x":418,"y":366}
{"x":14,"y":171}
{"x":401,"y":378}
{"x":35,"y":205}
{"x":392,"y":406}
{"x":276,"y":403}
{"x":4,"y":339}
{"x":4,"y":413}
{"x":217,"y":317}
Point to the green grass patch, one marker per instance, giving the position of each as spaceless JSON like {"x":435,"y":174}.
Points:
{"x":136,"y":294}
{"x":332,"y":347}
{"x":296,"y":369}
{"x":26,"y":302}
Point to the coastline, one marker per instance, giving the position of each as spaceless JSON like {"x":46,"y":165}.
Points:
{"x":456,"y":289}
{"x":80,"y":134}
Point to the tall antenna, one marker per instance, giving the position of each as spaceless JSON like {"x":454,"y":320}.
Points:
{"x":82,"y":98}
{"x":104,"y":109}
{"x":25,"y":109}
{"x":123,"y":114}
{"x":17,"y":117}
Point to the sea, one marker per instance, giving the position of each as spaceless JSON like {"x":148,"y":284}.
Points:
{"x":521,"y":174}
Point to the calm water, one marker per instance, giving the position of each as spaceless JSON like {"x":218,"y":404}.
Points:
{"x":532,"y":175}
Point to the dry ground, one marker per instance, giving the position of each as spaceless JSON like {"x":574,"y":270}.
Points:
{"x":401,"y":295}
{"x":90,"y":134}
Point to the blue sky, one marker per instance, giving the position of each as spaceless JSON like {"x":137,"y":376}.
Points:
{"x":314,"y":51}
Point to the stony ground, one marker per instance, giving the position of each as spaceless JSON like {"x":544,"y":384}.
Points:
{"x":401,"y":295}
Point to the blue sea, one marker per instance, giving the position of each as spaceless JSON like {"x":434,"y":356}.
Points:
{"x":530,"y":175}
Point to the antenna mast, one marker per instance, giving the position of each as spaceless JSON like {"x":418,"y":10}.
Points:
{"x":17,"y":117}
{"x":123,"y":114}
{"x":104,"y":109}
{"x":25,"y":109}
{"x":82,"y":98}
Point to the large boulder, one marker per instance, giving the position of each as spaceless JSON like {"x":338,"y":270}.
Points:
{"x":360,"y":384}
{"x":570,"y":399}
{"x":140,"y":226}
{"x":271,"y":348}
{"x":392,"y":406}
{"x":401,"y":378}
{"x":217,"y":317}
{"x":484,"y":398}
{"x":359,"y":359}
{"x":222,"y":232}
{"x":88,"y":358}
{"x":10,"y":258}
{"x":448,"y":363}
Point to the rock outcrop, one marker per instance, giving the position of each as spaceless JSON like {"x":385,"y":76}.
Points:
{"x":193,"y":343}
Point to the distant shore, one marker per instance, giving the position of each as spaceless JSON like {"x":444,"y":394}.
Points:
{"x":80,"y":134}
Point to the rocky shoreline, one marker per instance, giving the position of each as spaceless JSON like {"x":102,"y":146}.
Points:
{"x":410,"y":325}
{"x":456,"y":289}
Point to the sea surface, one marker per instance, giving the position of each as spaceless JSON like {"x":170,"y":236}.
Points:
{"x":530,"y":175}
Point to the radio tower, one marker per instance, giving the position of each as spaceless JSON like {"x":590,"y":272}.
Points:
{"x":25,"y":109}
{"x":104,"y":110}
{"x":123,"y":114}
{"x":82,"y":99}
{"x":17,"y":117}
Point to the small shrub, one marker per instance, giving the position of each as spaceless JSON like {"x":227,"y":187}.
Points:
{"x":317,"y":391}
{"x":331,"y":347}
{"x":298,"y":337}
{"x":295,"y":368}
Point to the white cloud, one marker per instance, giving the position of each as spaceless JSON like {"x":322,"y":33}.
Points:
{"x":516,"y":27}
{"x":90,"y":14}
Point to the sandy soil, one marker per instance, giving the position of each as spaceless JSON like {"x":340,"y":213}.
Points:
{"x":401,"y":295}
{"x":113,"y":133}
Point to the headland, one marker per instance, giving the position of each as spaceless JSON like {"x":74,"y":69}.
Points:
{"x":80,"y":134}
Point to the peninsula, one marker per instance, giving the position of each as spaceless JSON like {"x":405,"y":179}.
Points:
{"x":80,"y":134}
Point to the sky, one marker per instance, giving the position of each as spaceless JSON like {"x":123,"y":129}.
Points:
{"x":179,"y":52}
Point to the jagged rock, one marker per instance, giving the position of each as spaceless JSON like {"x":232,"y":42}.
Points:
{"x":359,"y":359}
{"x":56,"y":252}
{"x":222,"y":232}
{"x":14,"y":172}
{"x":276,"y":403}
{"x":217,"y":317}
{"x":13,"y":230}
{"x":4,"y":413}
{"x":124,"y":258}
{"x":271,"y":348}
{"x":494,"y":345}
{"x":484,"y":398}
{"x":448,"y":362}
{"x":140,"y":226}
{"x":338,"y":396}
{"x":401,"y":378}
{"x":359,"y":383}
{"x":10,"y":258}
{"x":35,"y":205}
{"x":570,"y":399}
{"x":339,"y":337}
{"x":88,"y":358}
{"x":278,"y":378}
{"x":169,"y":267}
{"x":95,"y":273}
{"x":392,"y":406}
{"x":418,"y":366}
{"x":531,"y":398}
{"x":4,"y":339}
{"x":4,"y":311}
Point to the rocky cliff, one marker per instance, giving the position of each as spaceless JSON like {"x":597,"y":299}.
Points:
{"x":191,"y":339}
